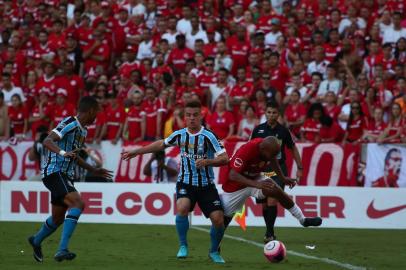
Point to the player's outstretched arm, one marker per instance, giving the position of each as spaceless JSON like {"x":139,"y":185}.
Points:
{"x":95,"y":171}
{"x":50,"y":144}
{"x":150,"y":148}
{"x":277,"y":169}
{"x":218,"y":161}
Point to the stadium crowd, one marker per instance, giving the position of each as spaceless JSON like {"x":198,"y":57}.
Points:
{"x":336,"y":68}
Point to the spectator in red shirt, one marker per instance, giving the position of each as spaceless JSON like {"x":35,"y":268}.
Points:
{"x":49,"y":82}
{"x":178,"y":56}
{"x":4,"y":120}
{"x":247,"y":124}
{"x":135,"y":122}
{"x":62,"y":108}
{"x":375,"y":127}
{"x":154,"y":109}
{"x":393,"y":131}
{"x":42,"y":112}
{"x":356,"y":125}
{"x":115,"y":118}
{"x":331,"y":108}
{"x":239,"y":48}
{"x":96,"y":55}
{"x":295,"y":113}
{"x":330,"y":131}
{"x":241,"y":90}
{"x":18,"y":118}
{"x":310,"y":131}
{"x":221,"y":121}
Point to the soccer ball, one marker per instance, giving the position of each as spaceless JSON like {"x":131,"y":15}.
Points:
{"x":275,"y":251}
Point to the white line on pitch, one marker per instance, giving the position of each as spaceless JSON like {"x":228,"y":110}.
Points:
{"x":291,"y":252}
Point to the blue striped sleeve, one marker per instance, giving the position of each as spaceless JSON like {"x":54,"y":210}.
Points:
{"x":172,"y":140}
{"x":215,"y":143}
{"x":65,"y":126}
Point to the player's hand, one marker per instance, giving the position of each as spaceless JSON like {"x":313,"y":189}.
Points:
{"x":266,"y":185}
{"x":201,"y":163}
{"x":72,"y":154}
{"x":291,"y":182}
{"x":127,"y":155}
{"x":103,"y":173}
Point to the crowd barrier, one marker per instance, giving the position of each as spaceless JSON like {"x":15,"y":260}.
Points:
{"x":340,"y":207}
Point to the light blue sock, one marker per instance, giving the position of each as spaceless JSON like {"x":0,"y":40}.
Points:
{"x":46,"y":230}
{"x":182,"y":226}
{"x":216,"y":234}
{"x":69,"y":226}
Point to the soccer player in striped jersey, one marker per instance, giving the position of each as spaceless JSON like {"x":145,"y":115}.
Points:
{"x":200,"y":151}
{"x":63,"y":143}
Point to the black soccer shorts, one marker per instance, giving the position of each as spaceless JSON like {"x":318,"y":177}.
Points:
{"x":277,"y":180}
{"x":207,"y":197}
{"x":59,"y":185}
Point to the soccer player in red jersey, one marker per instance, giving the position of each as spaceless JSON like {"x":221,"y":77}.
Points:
{"x":246,"y":167}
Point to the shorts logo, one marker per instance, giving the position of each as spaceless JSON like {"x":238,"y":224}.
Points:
{"x":217,"y":203}
{"x":238,"y":162}
{"x":182,"y":191}
{"x":260,"y":131}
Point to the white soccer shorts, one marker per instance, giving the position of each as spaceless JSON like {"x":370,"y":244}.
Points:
{"x":234,"y":201}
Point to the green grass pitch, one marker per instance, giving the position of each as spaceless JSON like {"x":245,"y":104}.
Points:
{"x":111,"y":246}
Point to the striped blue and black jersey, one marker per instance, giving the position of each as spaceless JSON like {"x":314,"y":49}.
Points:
{"x":202,"y":145}
{"x":72,"y":136}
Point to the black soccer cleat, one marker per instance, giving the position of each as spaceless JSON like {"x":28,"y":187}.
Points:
{"x":315,"y":222}
{"x":268,"y":239}
{"x":64,"y":255}
{"x":37,"y":251}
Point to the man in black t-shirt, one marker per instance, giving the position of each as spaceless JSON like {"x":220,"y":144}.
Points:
{"x":273,"y":128}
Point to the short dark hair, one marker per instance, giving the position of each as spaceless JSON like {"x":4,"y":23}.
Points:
{"x":193,"y":104}
{"x":272,"y":105}
{"x":87,"y":103}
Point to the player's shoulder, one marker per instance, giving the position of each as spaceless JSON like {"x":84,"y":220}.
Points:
{"x":209,"y":133}
{"x":68,"y":120}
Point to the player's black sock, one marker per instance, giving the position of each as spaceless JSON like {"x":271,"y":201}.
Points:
{"x":270,"y":213}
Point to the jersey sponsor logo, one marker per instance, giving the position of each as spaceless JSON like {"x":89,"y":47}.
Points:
{"x":195,"y":156}
{"x":374,"y":213}
{"x":260,"y":131}
{"x":238,"y":162}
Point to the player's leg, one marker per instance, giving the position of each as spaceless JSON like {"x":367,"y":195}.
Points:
{"x":270,"y":211}
{"x":51,"y":223}
{"x":184,"y":204}
{"x":288,"y":204}
{"x":75,"y":208}
{"x":210,"y":204}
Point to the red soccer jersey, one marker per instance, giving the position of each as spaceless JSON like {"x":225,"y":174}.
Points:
{"x":205,"y":80}
{"x":311,"y":129}
{"x":102,"y":50}
{"x":220,"y":125}
{"x":356,"y":128}
{"x":114,"y":118}
{"x":242,"y":90}
{"x":376,"y":128}
{"x":247,"y":162}
{"x":134,"y":119}
{"x":61,"y":112}
{"x":178,"y":57}
{"x":91,"y":129}
{"x":293,"y":114}
{"x":239,"y":53}
{"x":17,"y":117}
{"x":279,"y":76}
{"x":51,"y":84}
{"x":73,"y":85}
{"x":333,"y":111}
{"x":151,"y":109}
{"x":331,"y":51}
{"x":334,"y":132}
{"x":48,"y":110}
